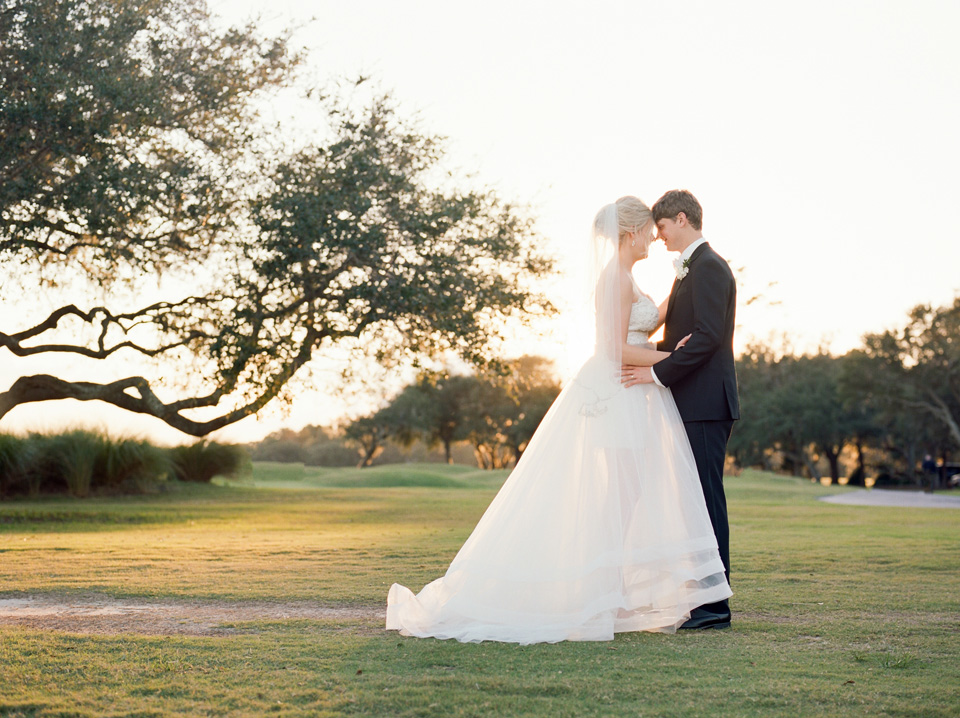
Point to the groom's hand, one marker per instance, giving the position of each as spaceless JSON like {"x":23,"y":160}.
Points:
{"x":633,"y":375}
{"x":683,"y":341}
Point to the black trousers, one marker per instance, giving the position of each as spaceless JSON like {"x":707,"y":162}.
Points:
{"x":708,"y":439}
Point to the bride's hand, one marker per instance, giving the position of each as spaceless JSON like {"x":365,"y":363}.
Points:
{"x":682,"y":341}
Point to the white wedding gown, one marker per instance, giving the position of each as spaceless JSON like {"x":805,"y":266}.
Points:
{"x":600,"y":528}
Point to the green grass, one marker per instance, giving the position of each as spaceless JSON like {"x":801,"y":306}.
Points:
{"x":838,"y":610}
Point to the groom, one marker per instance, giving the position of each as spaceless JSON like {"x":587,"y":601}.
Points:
{"x":701,"y":374}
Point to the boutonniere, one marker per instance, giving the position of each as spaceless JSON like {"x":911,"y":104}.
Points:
{"x":682,"y":267}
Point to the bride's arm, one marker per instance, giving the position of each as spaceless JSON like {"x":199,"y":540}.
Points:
{"x":642,"y":356}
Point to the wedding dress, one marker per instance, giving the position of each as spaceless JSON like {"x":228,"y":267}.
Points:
{"x":600,"y":528}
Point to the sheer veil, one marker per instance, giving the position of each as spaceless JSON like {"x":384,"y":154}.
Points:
{"x":604,"y":278}
{"x":607,"y":277}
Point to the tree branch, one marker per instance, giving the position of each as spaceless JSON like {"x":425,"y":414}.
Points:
{"x":944,"y":414}
{"x":13,"y":342}
{"x":134,"y":394}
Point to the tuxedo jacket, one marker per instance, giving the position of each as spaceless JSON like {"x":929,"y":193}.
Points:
{"x":702,"y":374}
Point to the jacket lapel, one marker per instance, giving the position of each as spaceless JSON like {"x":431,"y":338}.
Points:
{"x":673,"y":295}
{"x":676,"y":282}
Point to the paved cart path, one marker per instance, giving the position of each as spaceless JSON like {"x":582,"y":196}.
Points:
{"x":886,"y":497}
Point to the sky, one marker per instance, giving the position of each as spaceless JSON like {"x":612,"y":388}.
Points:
{"x":820,"y":137}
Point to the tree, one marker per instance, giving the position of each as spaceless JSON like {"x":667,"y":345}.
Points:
{"x":500,"y":411}
{"x":311,"y":445}
{"x":534,"y":387}
{"x":864,"y":413}
{"x":488,"y":410}
{"x":369,"y":433}
{"x":911,"y":379}
{"x":792,"y":405}
{"x":831,"y":422}
{"x":751,"y":441}
{"x":776,"y":413}
{"x":431,"y":409}
{"x":921,"y":364}
{"x":132,"y":145}
{"x":496,"y":411}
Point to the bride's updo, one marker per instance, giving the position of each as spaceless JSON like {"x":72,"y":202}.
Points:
{"x":632,"y":215}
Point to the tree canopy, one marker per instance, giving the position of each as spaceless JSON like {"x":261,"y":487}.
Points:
{"x":497,"y":412}
{"x":131,"y":144}
{"x":897,"y":396}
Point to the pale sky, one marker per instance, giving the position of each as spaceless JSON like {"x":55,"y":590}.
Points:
{"x":820,"y":137}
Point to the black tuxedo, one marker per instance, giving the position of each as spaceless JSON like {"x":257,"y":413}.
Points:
{"x":702,"y":375}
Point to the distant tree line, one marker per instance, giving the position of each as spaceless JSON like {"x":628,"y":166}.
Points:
{"x":436,"y":417}
{"x":875,"y":411}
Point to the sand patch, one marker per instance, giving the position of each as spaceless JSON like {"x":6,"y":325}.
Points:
{"x":108,"y":615}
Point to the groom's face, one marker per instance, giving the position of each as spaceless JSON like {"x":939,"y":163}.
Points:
{"x":668,"y":231}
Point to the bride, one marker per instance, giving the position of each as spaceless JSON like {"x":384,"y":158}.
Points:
{"x":601,"y":527}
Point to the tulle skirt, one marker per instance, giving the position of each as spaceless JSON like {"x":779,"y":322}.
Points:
{"x":600,"y":528}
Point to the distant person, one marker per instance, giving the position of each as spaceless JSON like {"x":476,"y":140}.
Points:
{"x":601,"y":527}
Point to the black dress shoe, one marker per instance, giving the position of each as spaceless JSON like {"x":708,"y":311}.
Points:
{"x":701,"y":620}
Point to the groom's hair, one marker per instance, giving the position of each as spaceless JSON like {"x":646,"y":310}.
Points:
{"x":676,"y":201}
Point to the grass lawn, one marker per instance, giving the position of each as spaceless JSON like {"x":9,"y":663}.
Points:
{"x":838,"y":610}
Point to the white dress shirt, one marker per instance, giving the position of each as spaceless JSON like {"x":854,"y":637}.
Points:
{"x":684,"y":256}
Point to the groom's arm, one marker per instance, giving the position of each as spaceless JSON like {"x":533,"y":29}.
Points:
{"x":711,"y":294}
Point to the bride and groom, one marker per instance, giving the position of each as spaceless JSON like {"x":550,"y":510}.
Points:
{"x":614,"y":519}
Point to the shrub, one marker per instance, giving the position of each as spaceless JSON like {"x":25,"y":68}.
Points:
{"x":15,"y":460}
{"x":70,"y":457}
{"x":202,"y":461}
{"x":283,"y":451}
{"x":79,"y":462}
{"x":127,"y":462}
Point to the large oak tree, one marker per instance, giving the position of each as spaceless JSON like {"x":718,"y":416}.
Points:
{"x":131,"y":144}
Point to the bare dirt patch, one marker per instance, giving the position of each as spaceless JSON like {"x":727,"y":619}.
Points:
{"x":107,"y":615}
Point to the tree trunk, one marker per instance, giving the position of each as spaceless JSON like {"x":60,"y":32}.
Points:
{"x":447,"y":452}
{"x":861,"y":462}
{"x":369,"y":454}
{"x":480,"y":452}
{"x":833,"y":456}
{"x":812,"y":468}
{"x":858,"y":477}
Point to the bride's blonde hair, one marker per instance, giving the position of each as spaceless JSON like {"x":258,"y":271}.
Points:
{"x":632,"y":215}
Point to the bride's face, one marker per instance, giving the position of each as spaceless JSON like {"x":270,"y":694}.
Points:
{"x":635,"y":245}
{"x":645,"y":237}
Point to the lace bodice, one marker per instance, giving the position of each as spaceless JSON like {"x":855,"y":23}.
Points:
{"x":644,"y":317}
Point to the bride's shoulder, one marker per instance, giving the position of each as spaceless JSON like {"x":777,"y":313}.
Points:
{"x":615,"y":279}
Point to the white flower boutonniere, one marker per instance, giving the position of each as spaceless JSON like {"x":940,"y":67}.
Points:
{"x":682,"y":267}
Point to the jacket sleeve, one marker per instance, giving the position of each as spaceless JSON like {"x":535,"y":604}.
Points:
{"x":711,"y":295}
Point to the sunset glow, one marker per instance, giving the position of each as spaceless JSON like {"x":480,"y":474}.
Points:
{"x":813,"y":134}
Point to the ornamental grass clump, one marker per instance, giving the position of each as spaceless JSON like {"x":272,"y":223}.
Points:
{"x":132,"y":463}
{"x":15,"y":459}
{"x":201,"y":461}
{"x":70,"y":458}
{"x":80,"y":463}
